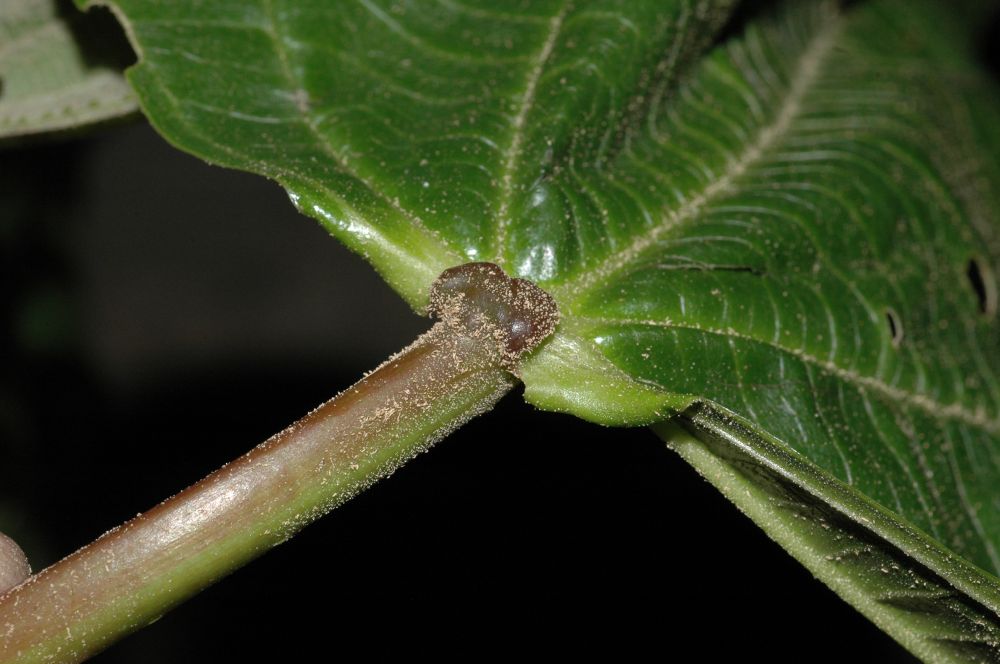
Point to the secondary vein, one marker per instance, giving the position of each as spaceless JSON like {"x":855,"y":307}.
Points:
{"x":923,"y":402}
{"x":805,"y":76}
{"x":517,"y":140}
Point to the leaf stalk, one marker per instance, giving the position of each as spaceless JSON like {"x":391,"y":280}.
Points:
{"x":133,"y":574}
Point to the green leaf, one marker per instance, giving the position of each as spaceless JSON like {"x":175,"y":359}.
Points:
{"x":780,"y":235}
{"x":59,"y":69}
{"x":937,"y":604}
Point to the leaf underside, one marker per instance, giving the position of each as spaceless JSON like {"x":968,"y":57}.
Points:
{"x":59,"y":69}
{"x":782,"y":235}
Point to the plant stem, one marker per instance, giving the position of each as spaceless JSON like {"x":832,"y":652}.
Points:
{"x":133,"y":574}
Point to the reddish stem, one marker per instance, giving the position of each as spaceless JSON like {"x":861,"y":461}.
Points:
{"x":136,"y":572}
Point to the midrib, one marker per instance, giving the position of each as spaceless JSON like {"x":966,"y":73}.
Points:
{"x":805,"y":75}
{"x":517,"y":139}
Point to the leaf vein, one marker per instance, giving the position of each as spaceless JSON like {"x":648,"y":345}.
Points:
{"x":307,"y":121}
{"x":803,"y":79}
{"x":923,"y":402}
{"x":517,"y":139}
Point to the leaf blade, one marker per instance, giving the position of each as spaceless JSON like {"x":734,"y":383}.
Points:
{"x":797,"y":360}
{"x":939,"y":609}
{"x":777,"y":228}
{"x":59,"y":69}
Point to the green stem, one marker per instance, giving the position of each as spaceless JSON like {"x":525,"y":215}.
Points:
{"x":136,"y":572}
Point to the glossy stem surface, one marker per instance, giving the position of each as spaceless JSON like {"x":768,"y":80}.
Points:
{"x":136,"y":572}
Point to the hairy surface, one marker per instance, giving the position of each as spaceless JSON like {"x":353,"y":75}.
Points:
{"x":14,"y":567}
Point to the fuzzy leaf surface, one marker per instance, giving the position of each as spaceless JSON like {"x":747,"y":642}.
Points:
{"x":59,"y":69}
{"x":780,"y":236}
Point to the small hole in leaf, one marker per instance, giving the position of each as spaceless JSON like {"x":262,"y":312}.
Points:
{"x":983,"y":284}
{"x":895,"y":327}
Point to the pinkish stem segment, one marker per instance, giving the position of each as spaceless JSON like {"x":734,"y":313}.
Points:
{"x":136,"y":572}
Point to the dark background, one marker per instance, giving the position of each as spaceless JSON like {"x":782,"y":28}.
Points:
{"x":159,"y":316}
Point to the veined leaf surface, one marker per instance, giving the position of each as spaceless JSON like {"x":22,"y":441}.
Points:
{"x":59,"y":69}
{"x":780,"y":237}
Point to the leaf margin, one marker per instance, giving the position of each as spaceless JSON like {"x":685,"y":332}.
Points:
{"x":717,"y":442}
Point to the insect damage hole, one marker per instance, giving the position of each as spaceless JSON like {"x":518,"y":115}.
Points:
{"x":895,"y":327}
{"x":983,"y":284}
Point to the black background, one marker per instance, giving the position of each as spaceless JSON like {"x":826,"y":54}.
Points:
{"x":160,"y":316}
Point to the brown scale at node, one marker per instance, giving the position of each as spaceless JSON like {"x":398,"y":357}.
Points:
{"x":483,"y":300}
